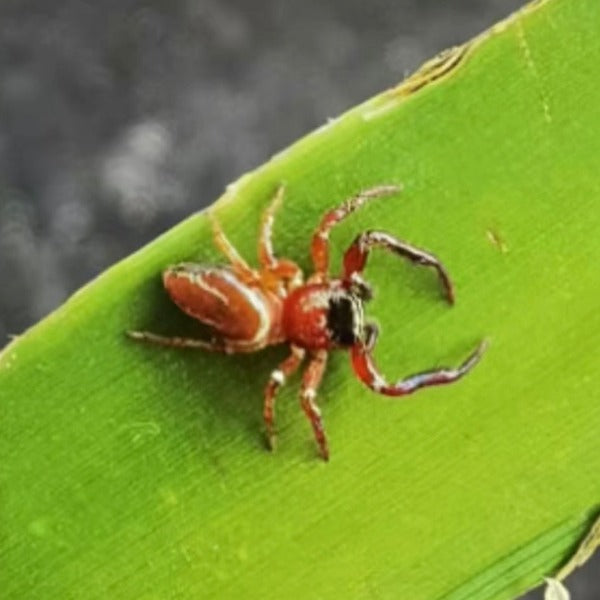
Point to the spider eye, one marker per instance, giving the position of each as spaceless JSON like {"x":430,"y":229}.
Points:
{"x":359,"y":287}
{"x":345,"y":319}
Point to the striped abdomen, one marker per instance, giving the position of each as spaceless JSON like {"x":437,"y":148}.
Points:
{"x":245,"y":316}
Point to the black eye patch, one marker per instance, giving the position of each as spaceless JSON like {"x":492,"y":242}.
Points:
{"x":341,"y":319}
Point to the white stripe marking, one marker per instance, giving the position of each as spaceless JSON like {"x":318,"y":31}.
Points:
{"x":198,"y":279}
{"x":278,"y":377}
{"x":257,"y":303}
{"x":309,"y":394}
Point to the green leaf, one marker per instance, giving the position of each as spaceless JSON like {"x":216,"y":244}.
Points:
{"x":132,"y":471}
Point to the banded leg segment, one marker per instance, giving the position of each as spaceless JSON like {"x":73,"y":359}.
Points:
{"x":178,"y":342}
{"x":367,"y":372}
{"x":310,"y":384}
{"x":277,"y":379}
{"x":277,"y":274}
{"x":240,"y":266}
{"x":320,"y":240}
{"x":357,"y":254}
{"x":266,"y":256}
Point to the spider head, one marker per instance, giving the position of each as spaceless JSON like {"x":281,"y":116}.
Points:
{"x":345,"y":314}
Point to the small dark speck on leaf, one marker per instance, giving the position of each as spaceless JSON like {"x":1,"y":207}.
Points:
{"x":496,"y":240}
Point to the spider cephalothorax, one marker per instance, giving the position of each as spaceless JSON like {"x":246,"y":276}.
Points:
{"x":250,"y":309}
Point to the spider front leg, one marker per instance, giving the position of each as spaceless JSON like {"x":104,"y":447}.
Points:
{"x":310,"y":384}
{"x":366,"y":370}
{"x":356,"y":256}
{"x":277,"y":379}
{"x":319,"y":246}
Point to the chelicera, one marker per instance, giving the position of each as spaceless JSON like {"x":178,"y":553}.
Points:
{"x":249,"y":309}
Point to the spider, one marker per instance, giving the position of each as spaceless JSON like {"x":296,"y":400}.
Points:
{"x":250,"y":309}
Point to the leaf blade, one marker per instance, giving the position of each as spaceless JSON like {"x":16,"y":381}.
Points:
{"x":153,"y":481}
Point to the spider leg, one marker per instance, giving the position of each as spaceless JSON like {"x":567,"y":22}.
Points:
{"x":356,"y":256}
{"x":277,"y":274}
{"x":266,"y":256}
{"x":277,"y":379}
{"x":288,"y":270}
{"x":367,"y":372}
{"x":178,"y":342}
{"x":310,"y":384}
{"x":320,"y":241}
{"x":240,"y":266}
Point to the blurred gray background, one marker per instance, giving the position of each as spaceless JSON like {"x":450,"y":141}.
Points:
{"x":119,"y":117}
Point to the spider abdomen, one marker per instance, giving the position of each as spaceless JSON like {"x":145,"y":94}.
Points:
{"x":246,"y":316}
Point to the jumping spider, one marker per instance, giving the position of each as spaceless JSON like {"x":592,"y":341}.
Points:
{"x":250,"y":309}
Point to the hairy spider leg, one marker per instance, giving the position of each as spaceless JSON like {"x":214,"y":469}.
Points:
{"x":357,"y":254}
{"x":367,"y":372}
{"x":319,"y":247}
{"x":311,"y":380}
{"x":213,"y":345}
{"x":178,"y":342}
{"x":275,"y":270}
{"x":240,"y":266}
{"x":266,"y":256}
{"x":277,"y":379}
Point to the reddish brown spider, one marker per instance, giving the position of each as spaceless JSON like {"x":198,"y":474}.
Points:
{"x":249,"y":309}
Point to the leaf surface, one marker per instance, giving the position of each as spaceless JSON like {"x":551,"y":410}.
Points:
{"x":132,"y":471}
